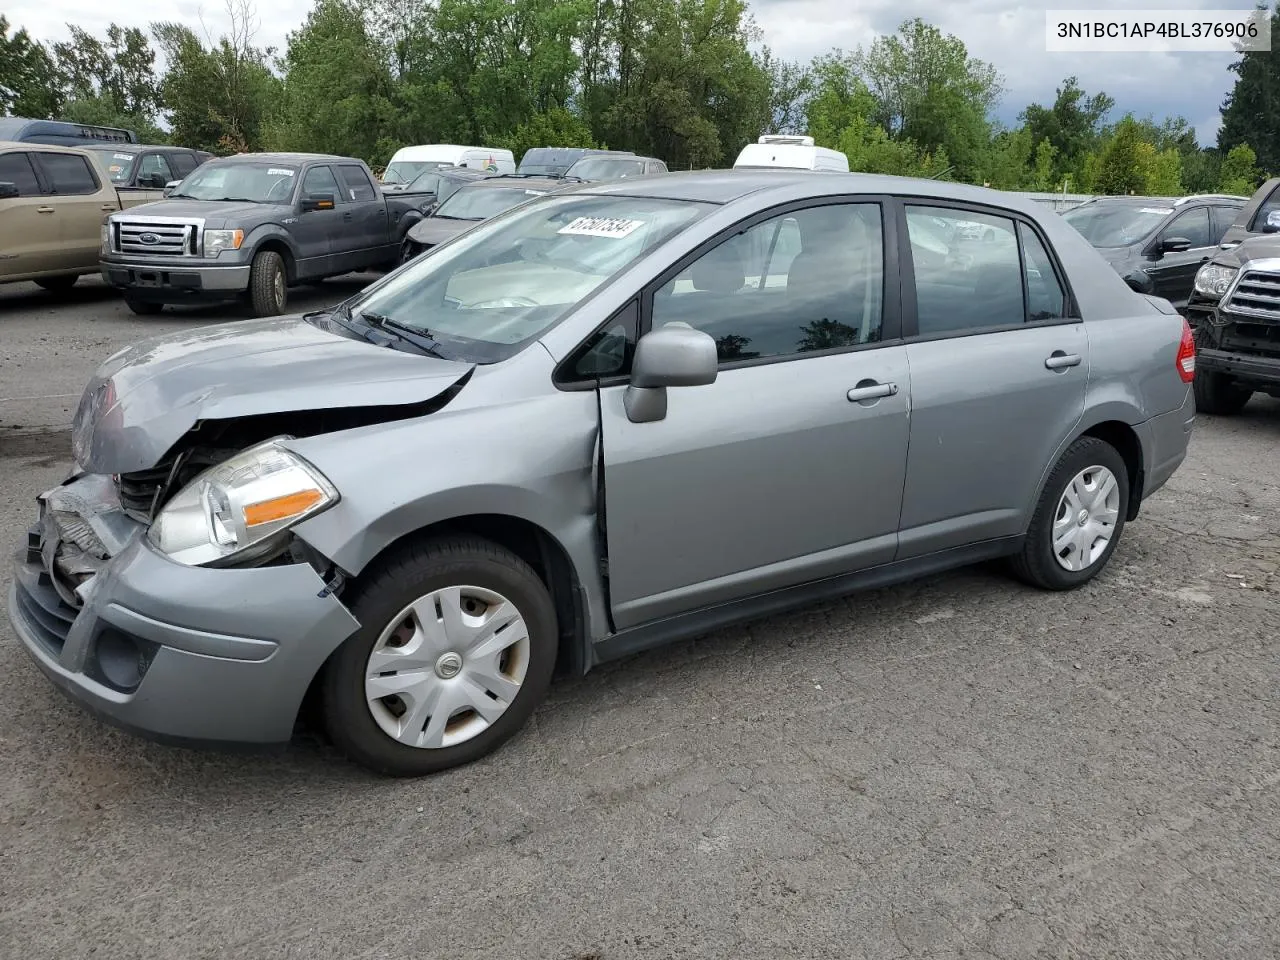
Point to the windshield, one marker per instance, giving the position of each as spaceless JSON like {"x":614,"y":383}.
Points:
{"x":606,"y":168}
{"x":1115,"y":225}
{"x":486,"y":294}
{"x":481,"y":203}
{"x":254,"y":182}
{"x":118,"y":166}
{"x":406,"y":171}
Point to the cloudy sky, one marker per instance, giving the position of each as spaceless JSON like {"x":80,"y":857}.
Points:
{"x":1006,"y":34}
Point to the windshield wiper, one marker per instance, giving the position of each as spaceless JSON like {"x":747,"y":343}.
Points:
{"x":421,"y":339}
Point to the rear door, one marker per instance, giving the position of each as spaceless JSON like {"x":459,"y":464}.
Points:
{"x":364,"y":238}
{"x":999,"y":364}
{"x":1174,"y":272}
{"x":789,"y":468}
{"x":30,"y":226}
{"x":80,"y":205}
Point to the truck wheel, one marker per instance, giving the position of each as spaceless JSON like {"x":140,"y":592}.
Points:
{"x":58,"y":284}
{"x":1218,"y":394}
{"x":456,"y":649}
{"x":1079,"y":519}
{"x":268,"y":284}
{"x":143,"y":308}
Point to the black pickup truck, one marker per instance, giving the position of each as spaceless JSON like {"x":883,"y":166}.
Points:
{"x":1235,"y":310}
{"x":251,"y":226}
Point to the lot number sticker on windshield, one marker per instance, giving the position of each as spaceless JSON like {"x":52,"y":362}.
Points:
{"x":122,"y":156}
{"x":601,"y":227}
{"x":1159,"y":210}
{"x":279,"y":172}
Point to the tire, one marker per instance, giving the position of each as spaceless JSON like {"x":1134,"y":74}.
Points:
{"x":1039,"y":563}
{"x":268,"y":285}
{"x":368,"y":729}
{"x":143,"y":308}
{"x":58,"y":284}
{"x":1218,"y":394}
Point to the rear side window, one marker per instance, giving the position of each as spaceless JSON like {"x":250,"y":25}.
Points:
{"x":183,"y":163}
{"x":976,"y":271}
{"x":1193,"y":225}
{"x":69,"y":174}
{"x":1223,"y":218}
{"x":16,"y":168}
{"x":356,"y":183}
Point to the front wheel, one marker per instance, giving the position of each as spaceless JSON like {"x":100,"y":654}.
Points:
{"x":268,"y":284}
{"x":1079,"y":519}
{"x":456,"y":649}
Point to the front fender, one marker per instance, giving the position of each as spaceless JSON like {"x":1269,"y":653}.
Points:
{"x":257,"y":236}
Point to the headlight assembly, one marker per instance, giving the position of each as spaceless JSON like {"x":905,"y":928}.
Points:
{"x":1213,"y":280}
{"x":215,"y":241}
{"x":241,"y":508}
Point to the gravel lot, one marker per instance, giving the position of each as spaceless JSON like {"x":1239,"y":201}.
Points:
{"x":958,"y":767}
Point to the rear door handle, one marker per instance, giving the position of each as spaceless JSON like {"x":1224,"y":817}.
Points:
{"x":872,"y":391}
{"x":44,"y":209}
{"x":1060,"y":361}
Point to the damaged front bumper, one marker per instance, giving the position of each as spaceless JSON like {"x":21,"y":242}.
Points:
{"x":177,"y":653}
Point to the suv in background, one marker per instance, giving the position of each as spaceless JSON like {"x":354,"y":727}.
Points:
{"x":614,"y":166}
{"x":135,"y":166}
{"x":556,"y":161}
{"x":1156,"y":243}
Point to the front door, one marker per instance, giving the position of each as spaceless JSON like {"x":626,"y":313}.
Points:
{"x":1173,"y":273}
{"x":789,"y":468}
{"x":317,"y":230}
{"x":998,"y":376}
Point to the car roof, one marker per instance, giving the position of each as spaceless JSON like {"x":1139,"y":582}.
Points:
{"x":1173,"y":201}
{"x":134,"y":147}
{"x":45,"y":147}
{"x":288,"y":157}
{"x":727,"y":186}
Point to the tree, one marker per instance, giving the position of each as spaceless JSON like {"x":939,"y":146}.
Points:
{"x":790,"y":86}
{"x":557,"y":127}
{"x":1120,"y":167}
{"x":1073,"y":125}
{"x":1162,"y":170}
{"x":118,"y":71}
{"x":28,"y":85}
{"x":1042,"y":176}
{"x":1240,"y":173}
{"x":1250,"y":110}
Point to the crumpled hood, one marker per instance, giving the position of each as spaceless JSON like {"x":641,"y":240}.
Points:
{"x":215,"y":213}
{"x":433,"y":230}
{"x":144,"y":398}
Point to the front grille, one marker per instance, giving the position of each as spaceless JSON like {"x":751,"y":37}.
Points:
{"x":156,"y":238}
{"x":46,"y":614}
{"x":138,"y":490}
{"x":1256,"y":295}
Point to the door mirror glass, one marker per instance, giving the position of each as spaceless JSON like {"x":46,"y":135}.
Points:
{"x":1273,"y":222}
{"x":1175,"y":244}
{"x":8,"y":190}
{"x":318,"y":201}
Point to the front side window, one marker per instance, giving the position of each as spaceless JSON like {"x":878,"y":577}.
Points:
{"x":155,"y":168}
{"x":319,"y":180}
{"x":1192,"y":225}
{"x":968,"y":272}
{"x":69,"y":173}
{"x":506,"y":281}
{"x":16,"y":168}
{"x":804,"y":281}
{"x":247,"y":182}
{"x":1116,"y":224}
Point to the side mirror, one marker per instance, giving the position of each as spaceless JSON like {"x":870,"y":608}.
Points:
{"x":675,"y":355}
{"x":318,"y":201}
{"x":9,"y":190}
{"x":1273,"y":222}
{"x":429,"y":207}
{"x":155,"y":181}
{"x":1174,"y":244}
{"x":171,"y":186}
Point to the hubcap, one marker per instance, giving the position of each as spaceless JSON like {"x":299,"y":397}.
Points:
{"x":1085,"y":520}
{"x":447,"y":667}
{"x":279,"y":289}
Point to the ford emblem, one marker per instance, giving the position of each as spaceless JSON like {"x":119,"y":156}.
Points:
{"x":148,"y":238}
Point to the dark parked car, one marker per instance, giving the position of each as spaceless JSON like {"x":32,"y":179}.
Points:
{"x":472,"y":204}
{"x":1157,"y":244}
{"x":556,"y":161}
{"x":615,"y":167}
{"x":131,"y":166}
{"x":437,"y":184}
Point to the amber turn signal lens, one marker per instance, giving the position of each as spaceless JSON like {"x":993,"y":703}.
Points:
{"x":281,"y":508}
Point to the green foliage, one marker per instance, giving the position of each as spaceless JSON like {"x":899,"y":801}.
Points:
{"x":556,"y":127}
{"x":28,"y":84}
{"x":1249,"y":113}
{"x":1239,"y":173}
{"x":1121,"y":168}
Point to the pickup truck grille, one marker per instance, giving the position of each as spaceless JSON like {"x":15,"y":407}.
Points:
{"x":160,"y":238}
{"x":1256,"y":295}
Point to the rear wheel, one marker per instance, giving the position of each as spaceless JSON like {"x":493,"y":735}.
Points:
{"x":456,"y":650}
{"x":1079,"y":519}
{"x":268,"y":284}
{"x":143,"y":308}
{"x":58,"y":284}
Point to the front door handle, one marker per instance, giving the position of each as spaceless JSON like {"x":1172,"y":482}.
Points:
{"x":346,"y":217}
{"x":108,"y":208}
{"x":1060,"y":361}
{"x":871,"y":391}
{"x":44,"y":209}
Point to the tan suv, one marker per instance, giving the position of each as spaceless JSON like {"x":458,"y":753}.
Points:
{"x":52,"y":204}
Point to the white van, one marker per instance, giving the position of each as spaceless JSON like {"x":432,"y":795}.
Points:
{"x":409,"y":162}
{"x":796,"y":152}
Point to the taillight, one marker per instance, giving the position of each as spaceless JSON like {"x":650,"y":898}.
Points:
{"x":1186,"y":362}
